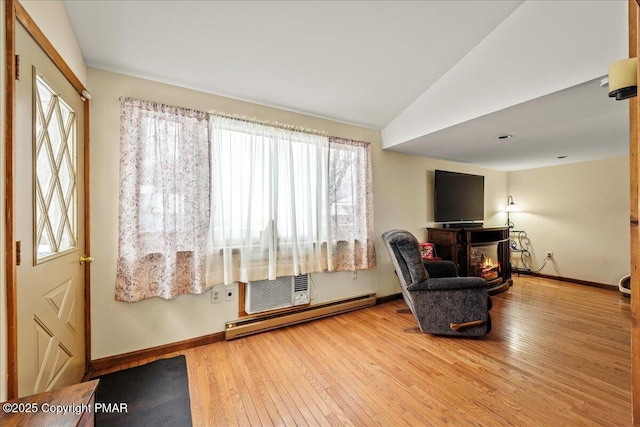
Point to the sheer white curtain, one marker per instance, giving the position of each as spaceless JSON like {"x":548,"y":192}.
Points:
{"x":164,"y":201}
{"x":269,"y":202}
{"x":206,"y":199}
{"x":351,"y":205}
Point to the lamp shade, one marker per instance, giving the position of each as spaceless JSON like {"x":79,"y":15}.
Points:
{"x":511,"y":206}
{"x":623,"y":79}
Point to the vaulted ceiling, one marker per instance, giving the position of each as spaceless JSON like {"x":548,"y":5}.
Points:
{"x":440,"y":78}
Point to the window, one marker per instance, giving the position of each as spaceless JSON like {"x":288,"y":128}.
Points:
{"x":207,"y":199}
{"x":270,"y":201}
{"x":351,"y":205}
{"x":55,"y":170}
{"x":164,"y":201}
{"x":265,"y":183}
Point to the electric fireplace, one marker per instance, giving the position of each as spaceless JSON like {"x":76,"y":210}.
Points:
{"x":477,"y":251}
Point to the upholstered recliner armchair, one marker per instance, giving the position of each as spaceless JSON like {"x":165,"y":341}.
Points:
{"x":442,"y":305}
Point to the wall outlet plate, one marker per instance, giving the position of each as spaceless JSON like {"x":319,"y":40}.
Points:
{"x":230,"y":293}
{"x":216,"y":295}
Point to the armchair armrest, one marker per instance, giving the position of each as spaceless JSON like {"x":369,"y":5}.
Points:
{"x":440,"y":268}
{"x":448,"y":283}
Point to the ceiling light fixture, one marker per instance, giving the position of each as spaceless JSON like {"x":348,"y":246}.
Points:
{"x":505,"y":137}
{"x":562,"y":157}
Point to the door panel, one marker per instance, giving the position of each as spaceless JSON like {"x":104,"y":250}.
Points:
{"x":49,"y":212}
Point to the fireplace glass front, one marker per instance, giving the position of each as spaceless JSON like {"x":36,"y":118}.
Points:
{"x":484,"y":262}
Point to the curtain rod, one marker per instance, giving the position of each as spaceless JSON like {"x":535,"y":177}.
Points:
{"x":268,"y":123}
{"x":235,"y":117}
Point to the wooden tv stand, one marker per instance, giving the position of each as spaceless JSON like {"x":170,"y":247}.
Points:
{"x":467,"y":247}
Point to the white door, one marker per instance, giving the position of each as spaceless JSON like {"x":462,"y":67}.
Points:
{"x":49,"y":223}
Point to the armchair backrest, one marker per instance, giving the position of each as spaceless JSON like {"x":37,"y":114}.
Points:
{"x":404,"y":250}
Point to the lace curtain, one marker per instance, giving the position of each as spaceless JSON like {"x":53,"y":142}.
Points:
{"x":206,"y":199}
{"x":270,"y":202}
{"x":164,"y":201}
{"x":351,"y":205}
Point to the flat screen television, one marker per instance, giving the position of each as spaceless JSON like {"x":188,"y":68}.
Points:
{"x":458,"y":197}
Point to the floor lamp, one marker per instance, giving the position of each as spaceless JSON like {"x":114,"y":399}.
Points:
{"x":511,"y":207}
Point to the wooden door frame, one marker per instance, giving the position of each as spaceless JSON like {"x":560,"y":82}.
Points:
{"x":14,"y":13}
{"x":634,"y":228}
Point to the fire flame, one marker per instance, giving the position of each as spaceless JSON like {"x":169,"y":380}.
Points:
{"x":488,"y":262}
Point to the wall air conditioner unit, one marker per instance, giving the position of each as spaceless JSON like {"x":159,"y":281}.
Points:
{"x":283,"y":292}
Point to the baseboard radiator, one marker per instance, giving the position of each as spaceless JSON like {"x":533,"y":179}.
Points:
{"x":256,"y":324}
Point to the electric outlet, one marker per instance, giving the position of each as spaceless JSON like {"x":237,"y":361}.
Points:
{"x":230,"y":293}
{"x":549,"y":254}
{"x":216,"y":295}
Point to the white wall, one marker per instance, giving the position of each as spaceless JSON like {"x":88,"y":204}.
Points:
{"x":51,"y":18}
{"x":403,"y":187}
{"x":580,"y":212}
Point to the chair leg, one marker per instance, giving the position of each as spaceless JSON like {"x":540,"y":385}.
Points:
{"x":456,"y":326}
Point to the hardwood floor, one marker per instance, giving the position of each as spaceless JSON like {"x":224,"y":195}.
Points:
{"x":558,"y":355}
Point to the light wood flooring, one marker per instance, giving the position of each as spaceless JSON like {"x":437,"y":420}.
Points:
{"x":558,"y":355}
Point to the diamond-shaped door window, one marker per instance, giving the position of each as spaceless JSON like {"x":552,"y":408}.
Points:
{"x":55,"y":166}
